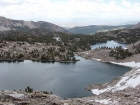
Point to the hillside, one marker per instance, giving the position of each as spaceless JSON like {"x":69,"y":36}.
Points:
{"x":136,"y":26}
{"x":38,"y":45}
{"x":89,"y":30}
{"x":20,"y":25}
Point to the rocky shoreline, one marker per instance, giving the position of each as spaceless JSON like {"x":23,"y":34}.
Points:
{"x":43,"y":61}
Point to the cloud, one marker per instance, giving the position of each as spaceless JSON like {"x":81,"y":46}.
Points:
{"x":87,"y":0}
{"x":71,"y":11}
{"x":126,"y":3}
{"x":11,"y":2}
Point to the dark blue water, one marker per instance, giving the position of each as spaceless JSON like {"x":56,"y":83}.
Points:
{"x":63,"y":79}
{"x":110,"y":44}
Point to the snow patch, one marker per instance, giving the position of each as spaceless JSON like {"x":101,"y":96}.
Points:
{"x":57,"y":38}
{"x":104,"y":101}
{"x":129,"y":64}
{"x":85,"y":52}
{"x":125,"y":48}
{"x":130,"y":79}
{"x":97,"y":59}
{"x":16,"y":95}
{"x":97,"y":91}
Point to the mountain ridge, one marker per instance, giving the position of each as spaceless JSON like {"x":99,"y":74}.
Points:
{"x":89,"y":30}
{"x":21,"y":25}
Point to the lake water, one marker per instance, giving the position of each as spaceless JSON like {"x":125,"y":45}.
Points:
{"x":110,"y":44}
{"x":67,"y":80}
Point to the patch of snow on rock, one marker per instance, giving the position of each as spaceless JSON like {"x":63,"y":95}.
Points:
{"x":17,"y":95}
{"x":125,"y":48}
{"x":104,"y":101}
{"x":130,"y":79}
{"x":85,"y":52}
{"x":129,"y":64}
{"x":97,"y":91}
{"x":97,"y":59}
{"x":14,"y":94}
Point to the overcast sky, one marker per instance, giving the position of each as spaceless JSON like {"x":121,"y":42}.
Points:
{"x":73,"y":12}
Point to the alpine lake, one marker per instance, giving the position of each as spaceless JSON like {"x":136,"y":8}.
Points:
{"x":67,"y":80}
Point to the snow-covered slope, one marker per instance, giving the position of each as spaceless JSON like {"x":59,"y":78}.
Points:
{"x":130,"y":80}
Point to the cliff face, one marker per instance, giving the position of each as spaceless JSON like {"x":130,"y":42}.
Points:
{"x":20,"y":25}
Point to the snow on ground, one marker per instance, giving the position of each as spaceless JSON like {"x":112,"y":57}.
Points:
{"x":104,"y":101}
{"x":129,"y":64}
{"x":125,"y":48}
{"x":130,"y":79}
{"x":97,"y":59}
{"x":97,"y":91}
{"x":14,"y":94}
{"x":85,"y":53}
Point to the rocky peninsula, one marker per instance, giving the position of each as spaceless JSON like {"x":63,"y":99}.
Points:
{"x":12,"y":51}
{"x":104,"y":54}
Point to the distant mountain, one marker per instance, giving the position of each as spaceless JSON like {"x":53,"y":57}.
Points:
{"x":136,"y":26}
{"x":89,"y":30}
{"x":20,"y":25}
